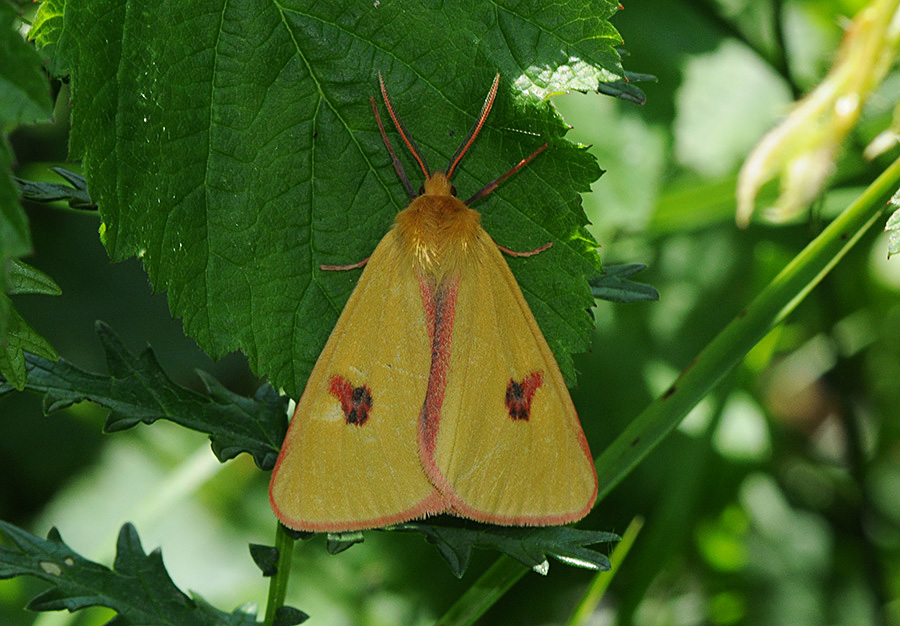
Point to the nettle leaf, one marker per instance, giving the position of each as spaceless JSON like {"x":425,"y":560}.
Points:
{"x":613,"y":285}
{"x":138,"y":390}
{"x":455,"y":540}
{"x":232,"y":147}
{"x":138,"y":587}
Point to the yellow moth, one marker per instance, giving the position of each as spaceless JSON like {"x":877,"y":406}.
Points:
{"x":436,"y":391}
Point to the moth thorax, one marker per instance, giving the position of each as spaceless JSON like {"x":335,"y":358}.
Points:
{"x":438,"y":233}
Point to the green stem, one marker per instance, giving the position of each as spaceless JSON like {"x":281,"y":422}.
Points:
{"x":719,"y":357}
{"x":731,"y":345}
{"x":595,"y":591}
{"x":490,"y":587}
{"x":278,"y":584}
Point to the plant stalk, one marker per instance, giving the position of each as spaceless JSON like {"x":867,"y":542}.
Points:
{"x":278,"y":583}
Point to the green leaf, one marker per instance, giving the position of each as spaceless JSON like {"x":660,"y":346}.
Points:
{"x":245,"y":154}
{"x":892,"y":228}
{"x":24,"y":97}
{"x":16,"y":336}
{"x":266,"y":558}
{"x":138,"y":390}
{"x":455,"y":539}
{"x":289,"y":616}
{"x":20,"y":338}
{"x":75,"y":193}
{"x":338,"y":542}
{"x":14,"y":237}
{"x":138,"y":587}
{"x":22,"y":279}
{"x":47,"y":30}
{"x":625,"y":88}
{"x":24,"y":89}
{"x":613,"y":285}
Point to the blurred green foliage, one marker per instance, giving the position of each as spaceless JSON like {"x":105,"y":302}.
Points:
{"x":777,"y":501}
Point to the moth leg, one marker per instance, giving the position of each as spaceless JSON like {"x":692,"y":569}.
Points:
{"x":517,"y":253}
{"x":352,"y":266}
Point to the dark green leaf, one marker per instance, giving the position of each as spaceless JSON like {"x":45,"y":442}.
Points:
{"x":20,"y":338}
{"x":626,"y":88}
{"x":138,"y":587}
{"x":233,"y":192}
{"x":24,"y":89}
{"x":24,"y":97}
{"x":613,"y":285}
{"x":75,"y":193}
{"x":48,"y":30}
{"x":16,"y":336}
{"x":137,"y":390}
{"x":266,"y":558}
{"x":289,"y":616}
{"x":22,"y":279}
{"x":14,"y":237}
{"x":455,"y":539}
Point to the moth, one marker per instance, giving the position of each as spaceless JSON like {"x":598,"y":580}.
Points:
{"x":436,"y":391}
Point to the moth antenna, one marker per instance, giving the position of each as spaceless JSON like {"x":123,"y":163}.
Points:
{"x":398,"y":166}
{"x":496,"y":182}
{"x":402,"y":130}
{"x":470,"y":138}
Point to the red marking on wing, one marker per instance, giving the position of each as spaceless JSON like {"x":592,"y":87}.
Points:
{"x":441,"y":311}
{"x":519,"y":395}
{"x":356,"y":402}
{"x":427,"y":291}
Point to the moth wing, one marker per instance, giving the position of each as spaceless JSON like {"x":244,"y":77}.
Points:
{"x":346,"y":470}
{"x":497,"y":460}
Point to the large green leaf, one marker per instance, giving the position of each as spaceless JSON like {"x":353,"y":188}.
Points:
{"x":137,"y":390}
{"x":231,"y":146}
{"x":138,"y":588}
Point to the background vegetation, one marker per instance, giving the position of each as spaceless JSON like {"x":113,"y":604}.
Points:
{"x":776,"y":501}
